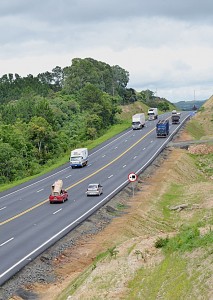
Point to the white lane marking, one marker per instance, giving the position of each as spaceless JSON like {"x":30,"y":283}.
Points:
{"x":57,"y":211}
{"x":116,"y":147}
{"x":104,"y":155}
{"x":151,"y":142}
{"x":134,"y":157}
{"x":89,"y":165}
{"x":144,"y":148}
{"x":68,"y":176}
{"x":7,"y":242}
{"x":40,"y":190}
{"x":110,"y":176}
{"x":3,"y":208}
{"x":124,"y":166}
{"x":111,"y":142}
{"x":125,"y":141}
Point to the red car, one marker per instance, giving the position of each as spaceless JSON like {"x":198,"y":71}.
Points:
{"x":63,"y":196}
{"x":57,"y":194}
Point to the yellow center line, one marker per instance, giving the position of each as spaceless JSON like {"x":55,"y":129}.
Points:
{"x":80,"y":181}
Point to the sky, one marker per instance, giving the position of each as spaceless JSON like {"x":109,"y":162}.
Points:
{"x":165,"y":45}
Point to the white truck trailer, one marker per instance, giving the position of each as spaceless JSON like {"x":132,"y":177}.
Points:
{"x":79,"y":157}
{"x":152,"y":113}
{"x":138,"y":121}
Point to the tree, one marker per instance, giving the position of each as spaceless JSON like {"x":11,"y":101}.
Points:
{"x":164,"y":106}
{"x":89,"y":96}
{"x":111,"y":80}
{"x":40,"y":133}
{"x":10,"y":163}
{"x":120,"y":80}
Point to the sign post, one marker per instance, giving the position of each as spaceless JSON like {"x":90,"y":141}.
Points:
{"x":132,"y":177}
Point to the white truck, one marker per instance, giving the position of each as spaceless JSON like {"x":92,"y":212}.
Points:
{"x":79,"y":157}
{"x":138,"y":121}
{"x":152,"y":113}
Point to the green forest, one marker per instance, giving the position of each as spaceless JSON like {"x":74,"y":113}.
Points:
{"x":43,"y":117}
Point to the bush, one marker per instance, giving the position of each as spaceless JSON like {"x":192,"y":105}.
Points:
{"x":161,"y":242}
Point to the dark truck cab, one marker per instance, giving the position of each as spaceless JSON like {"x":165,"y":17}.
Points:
{"x":162,"y":128}
{"x":176,"y":118}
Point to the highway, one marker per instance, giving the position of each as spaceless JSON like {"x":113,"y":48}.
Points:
{"x":29,"y":224}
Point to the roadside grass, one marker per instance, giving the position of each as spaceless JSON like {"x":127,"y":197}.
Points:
{"x":172,"y":278}
{"x":188,"y":239}
{"x":121,"y":206}
{"x":129,"y":251}
{"x":195,"y":129}
{"x":172,"y":197}
{"x":77,"y":282}
{"x":204,"y":163}
{"x":168,"y":280}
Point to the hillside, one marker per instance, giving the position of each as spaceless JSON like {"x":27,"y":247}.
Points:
{"x":188,"y":105}
{"x":157,"y":251}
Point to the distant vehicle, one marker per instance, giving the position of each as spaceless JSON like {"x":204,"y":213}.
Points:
{"x":162,"y":128}
{"x":57,"y":193}
{"x":152,"y":113}
{"x":79,"y":157}
{"x":174,"y":112}
{"x":176,"y":118}
{"x":138,"y":121}
{"x":94,"y":189}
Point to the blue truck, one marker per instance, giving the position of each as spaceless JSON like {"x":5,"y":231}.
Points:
{"x":162,"y":128}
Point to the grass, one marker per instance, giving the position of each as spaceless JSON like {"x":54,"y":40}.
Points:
{"x":169,"y":280}
{"x":195,"y":129}
{"x":188,"y":239}
{"x":131,"y":249}
{"x":121,"y":206}
{"x":76,"y":283}
{"x":205,"y":163}
{"x":173,"y":196}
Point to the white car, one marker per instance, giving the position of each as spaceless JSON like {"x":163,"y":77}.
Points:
{"x":94,"y":189}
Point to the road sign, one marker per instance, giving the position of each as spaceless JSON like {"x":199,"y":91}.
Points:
{"x":132,"y":177}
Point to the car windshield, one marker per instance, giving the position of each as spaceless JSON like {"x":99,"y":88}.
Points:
{"x":93,"y":186}
{"x":75,"y":158}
